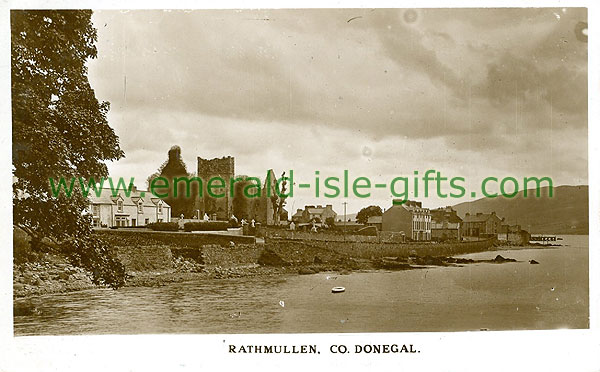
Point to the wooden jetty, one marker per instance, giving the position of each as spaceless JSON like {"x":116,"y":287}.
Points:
{"x":544,"y":238}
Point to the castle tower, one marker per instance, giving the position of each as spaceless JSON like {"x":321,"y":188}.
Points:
{"x":217,"y":167}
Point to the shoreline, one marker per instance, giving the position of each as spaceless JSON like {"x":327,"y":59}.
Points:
{"x":35,"y":280}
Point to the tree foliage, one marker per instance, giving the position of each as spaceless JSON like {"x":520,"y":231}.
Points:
{"x":241,"y":205}
{"x":59,"y":130}
{"x":184,"y":201}
{"x":363,"y":215}
{"x":279,"y":198}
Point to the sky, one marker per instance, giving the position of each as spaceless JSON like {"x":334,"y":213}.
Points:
{"x":382,"y":93}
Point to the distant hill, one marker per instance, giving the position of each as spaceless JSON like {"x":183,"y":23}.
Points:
{"x":565,"y":213}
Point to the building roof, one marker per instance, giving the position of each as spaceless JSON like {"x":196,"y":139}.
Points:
{"x":479,"y":217}
{"x":409,"y":205}
{"x":106,"y":197}
{"x":318,"y":209}
{"x":445,"y":214}
{"x":375,"y":219}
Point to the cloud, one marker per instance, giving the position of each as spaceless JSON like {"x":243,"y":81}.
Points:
{"x":313,"y":88}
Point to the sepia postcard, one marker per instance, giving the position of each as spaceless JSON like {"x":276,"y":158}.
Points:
{"x":393,"y":186}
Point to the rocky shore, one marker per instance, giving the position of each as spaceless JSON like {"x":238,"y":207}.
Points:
{"x":53,"y":274}
{"x":44,"y":277}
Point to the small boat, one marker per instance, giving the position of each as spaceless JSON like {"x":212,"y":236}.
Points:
{"x":337,"y":289}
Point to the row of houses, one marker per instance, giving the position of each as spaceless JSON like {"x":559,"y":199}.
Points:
{"x":139,"y":208}
{"x":317,"y":213}
{"x":441,"y":224}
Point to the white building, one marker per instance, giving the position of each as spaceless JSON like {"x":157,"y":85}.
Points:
{"x":138,"y":209}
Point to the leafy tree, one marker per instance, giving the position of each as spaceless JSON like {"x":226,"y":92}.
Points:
{"x":330,"y":221}
{"x":174,"y":168}
{"x":59,"y":130}
{"x":363,"y":215}
{"x":241,"y":205}
{"x":278,"y":198}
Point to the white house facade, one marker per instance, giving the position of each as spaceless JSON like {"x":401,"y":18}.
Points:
{"x":138,"y":209}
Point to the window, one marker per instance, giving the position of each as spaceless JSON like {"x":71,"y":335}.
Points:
{"x":119,"y":205}
{"x":96,"y":210}
{"x":140,"y":207}
{"x":147,"y":221}
{"x":121,"y":221}
{"x":159,"y":208}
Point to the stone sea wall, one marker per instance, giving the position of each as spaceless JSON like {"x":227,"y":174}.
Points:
{"x":137,"y":254}
{"x":133,"y":237}
{"x":232,"y":256}
{"x":382,"y":236}
{"x":302,"y":250}
{"x":151,"y":258}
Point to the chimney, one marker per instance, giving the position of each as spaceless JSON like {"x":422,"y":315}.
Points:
{"x":494,"y":213}
{"x":468,"y":214}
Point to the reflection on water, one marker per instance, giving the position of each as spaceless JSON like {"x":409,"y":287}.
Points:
{"x":553,"y":294}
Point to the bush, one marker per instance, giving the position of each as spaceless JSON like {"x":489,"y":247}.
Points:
{"x":163,"y":226}
{"x":22,"y":251}
{"x":97,"y":256}
{"x":233,"y":223}
{"x":206,"y":226}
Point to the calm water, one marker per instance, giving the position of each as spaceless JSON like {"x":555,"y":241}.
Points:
{"x":516,"y":295}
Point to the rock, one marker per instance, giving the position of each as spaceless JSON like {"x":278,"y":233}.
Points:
{"x":428,"y":260}
{"x":270,"y":258}
{"x":533,"y":262}
{"x":63,"y":276}
{"x":463,"y":260}
{"x":499,"y":258}
{"x":306,"y":271}
{"x":433,"y":261}
{"x":28,"y":278}
{"x":390,"y":265}
{"x":24,"y":309}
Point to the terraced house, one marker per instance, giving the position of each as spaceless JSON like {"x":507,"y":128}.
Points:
{"x":138,"y":209}
{"x":481,"y":225}
{"x":409,"y":218}
{"x":318,"y":213}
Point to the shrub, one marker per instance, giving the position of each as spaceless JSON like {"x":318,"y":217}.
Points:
{"x":163,"y":226}
{"x":22,"y":251}
{"x":234,"y":223}
{"x":206,"y":226}
{"x":97,"y":256}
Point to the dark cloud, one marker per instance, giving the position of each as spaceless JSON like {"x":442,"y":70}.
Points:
{"x":225,"y":81}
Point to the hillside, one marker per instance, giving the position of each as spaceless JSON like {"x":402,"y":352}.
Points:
{"x":565,"y":213}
